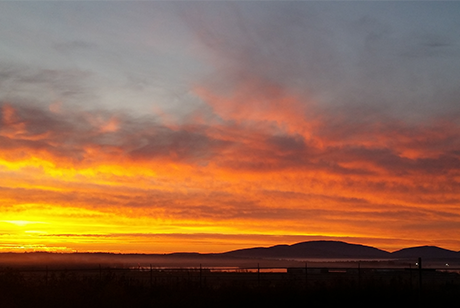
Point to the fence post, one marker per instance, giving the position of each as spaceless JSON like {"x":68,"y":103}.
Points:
{"x":151,"y":274}
{"x":306,"y":275}
{"x":420,"y":275}
{"x":258,"y":274}
{"x":359,"y":274}
{"x":201,"y":276}
{"x":410,"y":276}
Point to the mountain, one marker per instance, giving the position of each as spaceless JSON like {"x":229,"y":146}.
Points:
{"x":312,"y":249}
{"x":426,"y":252}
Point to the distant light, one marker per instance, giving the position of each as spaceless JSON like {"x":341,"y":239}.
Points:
{"x":447,"y":264}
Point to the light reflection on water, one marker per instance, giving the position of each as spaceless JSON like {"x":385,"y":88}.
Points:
{"x":324,"y":260}
{"x":212,"y":269}
{"x":311,"y":263}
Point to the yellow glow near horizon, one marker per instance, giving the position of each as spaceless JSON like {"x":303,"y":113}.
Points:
{"x":100,"y":172}
{"x":22,"y":223}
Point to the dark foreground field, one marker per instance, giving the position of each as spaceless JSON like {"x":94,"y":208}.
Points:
{"x":316,"y":287}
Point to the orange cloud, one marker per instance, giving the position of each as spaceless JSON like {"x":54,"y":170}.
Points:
{"x":239,"y":174}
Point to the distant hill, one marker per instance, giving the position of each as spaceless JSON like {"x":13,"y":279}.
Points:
{"x":340,"y":250}
{"x":313,"y":249}
{"x":275,"y":256}
{"x":427,"y":252}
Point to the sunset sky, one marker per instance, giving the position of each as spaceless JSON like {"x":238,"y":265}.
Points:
{"x":210,"y":126}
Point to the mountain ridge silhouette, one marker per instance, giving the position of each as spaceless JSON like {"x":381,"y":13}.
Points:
{"x":338,"y":249}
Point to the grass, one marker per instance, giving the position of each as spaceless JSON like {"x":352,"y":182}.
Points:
{"x":187,"y":288}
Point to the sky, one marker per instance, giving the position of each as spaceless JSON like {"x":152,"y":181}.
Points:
{"x":208,"y":126}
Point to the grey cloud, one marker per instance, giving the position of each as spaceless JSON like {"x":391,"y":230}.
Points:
{"x":431,"y":45}
{"x":314,"y":50}
{"x":66,"y":135}
{"x":278,"y":42}
{"x":44,"y":86}
{"x":178,"y":145}
{"x":75,"y":46}
{"x":287,"y":143}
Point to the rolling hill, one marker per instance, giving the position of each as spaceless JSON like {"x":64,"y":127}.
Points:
{"x":428,"y":252}
{"x":312,"y":249}
{"x":340,"y":250}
